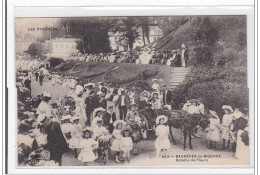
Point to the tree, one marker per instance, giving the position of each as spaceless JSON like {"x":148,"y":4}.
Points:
{"x":92,"y":32}
{"x":35,"y":49}
{"x":205,"y":35}
{"x":144,"y":24}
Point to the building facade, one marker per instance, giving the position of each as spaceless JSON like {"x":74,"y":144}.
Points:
{"x":61,"y":47}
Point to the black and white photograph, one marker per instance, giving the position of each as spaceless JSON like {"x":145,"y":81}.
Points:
{"x":132,"y":91}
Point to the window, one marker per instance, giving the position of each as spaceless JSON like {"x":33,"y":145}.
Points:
{"x":56,"y":45}
{"x":117,"y":48}
{"x":61,"y":45}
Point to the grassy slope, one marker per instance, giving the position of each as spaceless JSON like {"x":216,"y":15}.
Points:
{"x":229,"y":29}
{"x":88,"y":71}
{"x":224,"y":84}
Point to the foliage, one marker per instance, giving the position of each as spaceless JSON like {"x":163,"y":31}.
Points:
{"x":216,"y":86}
{"x":55,"y":62}
{"x":93,"y":34}
{"x":205,"y":36}
{"x":35,"y":49}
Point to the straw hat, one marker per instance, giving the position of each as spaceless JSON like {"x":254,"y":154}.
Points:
{"x":161,"y":117}
{"x":97,"y":110}
{"x":41,"y":119}
{"x":214,"y":114}
{"x":46,"y":94}
{"x":227,"y":107}
{"x":154,"y":93}
{"x":87,"y":129}
{"x":183,"y":46}
{"x":154,"y":79}
{"x":127,"y":128}
{"x":117,"y":122}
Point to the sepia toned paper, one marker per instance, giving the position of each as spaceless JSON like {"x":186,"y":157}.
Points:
{"x":169,"y":78}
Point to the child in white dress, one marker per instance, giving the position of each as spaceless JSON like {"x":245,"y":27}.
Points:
{"x":76,"y":130}
{"x":87,"y":145}
{"x":226,"y":124}
{"x":213,"y":130}
{"x":162,"y":142}
{"x":99,"y":131}
{"x":118,"y":125}
{"x":126,"y":143}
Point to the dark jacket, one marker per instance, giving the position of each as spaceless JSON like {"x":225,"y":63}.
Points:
{"x":107,"y":118}
{"x":56,"y":142}
{"x":127,"y":100}
{"x":92,"y":103}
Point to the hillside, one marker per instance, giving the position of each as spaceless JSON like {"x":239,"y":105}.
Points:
{"x":231,"y":29}
{"x":114,"y":73}
{"x":224,"y":81}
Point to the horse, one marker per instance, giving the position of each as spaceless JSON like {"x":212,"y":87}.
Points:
{"x":180,"y":120}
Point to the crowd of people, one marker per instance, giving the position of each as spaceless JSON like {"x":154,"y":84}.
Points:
{"x":95,"y":112}
{"x":174,"y":58}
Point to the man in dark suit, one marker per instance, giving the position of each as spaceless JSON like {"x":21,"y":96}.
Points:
{"x":92,"y":102}
{"x":109,"y":118}
{"x":56,"y":143}
{"x":123,"y":103}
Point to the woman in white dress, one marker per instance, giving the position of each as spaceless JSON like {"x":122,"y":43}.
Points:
{"x":162,"y":142}
{"x":80,"y":106}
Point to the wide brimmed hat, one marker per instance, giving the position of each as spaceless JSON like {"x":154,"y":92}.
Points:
{"x":214,"y":114}
{"x":227,"y":107}
{"x":161,"y":117}
{"x":117,"y":122}
{"x":194,"y":101}
{"x":97,"y":110}
{"x":66,"y":117}
{"x":154,"y":79}
{"x":46,"y":94}
{"x":89,"y":84}
{"x":74,"y":118}
{"x":95,"y":121}
{"x":127,"y":128}
{"x":183,"y":46}
{"x":87,"y":129}
{"x":154,"y":93}
{"x":41,"y":119}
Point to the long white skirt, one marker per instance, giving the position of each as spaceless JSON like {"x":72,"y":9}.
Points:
{"x":242,"y":150}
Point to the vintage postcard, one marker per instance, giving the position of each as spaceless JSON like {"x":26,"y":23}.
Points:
{"x":132,"y":91}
